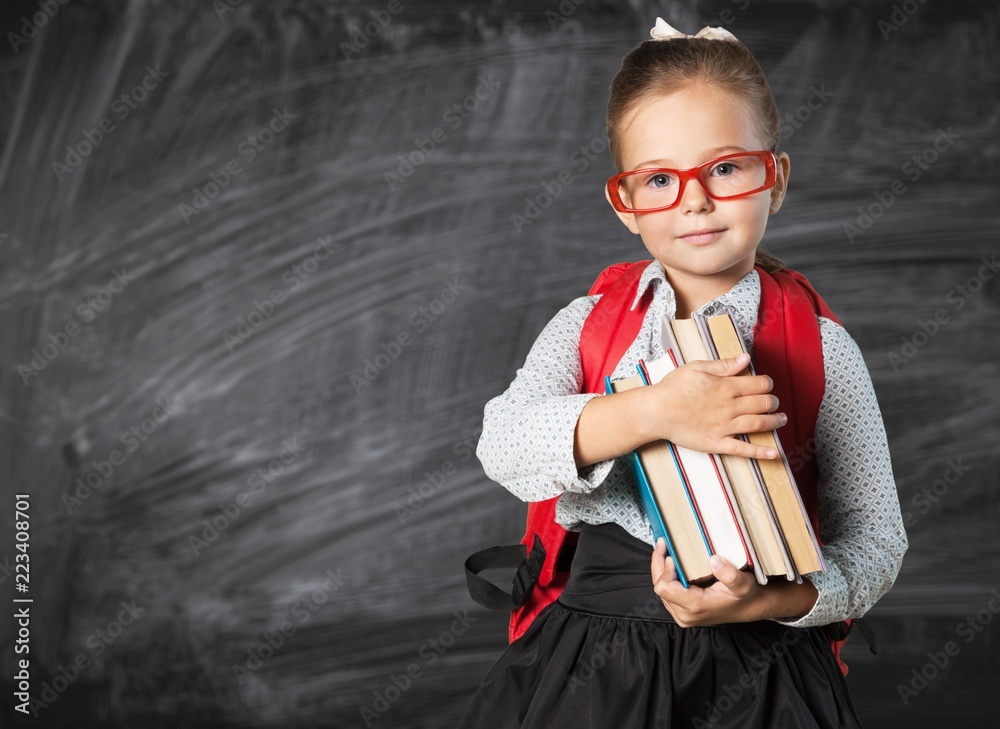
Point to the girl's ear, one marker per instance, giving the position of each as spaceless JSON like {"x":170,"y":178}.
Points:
{"x":780,"y":180}
{"x":628,"y":219}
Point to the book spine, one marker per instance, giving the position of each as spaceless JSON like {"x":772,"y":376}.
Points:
{"x":801,"y":505}
{"x":670,"y":343}
{"x":656,"y":524}
{"x":653,"y":512}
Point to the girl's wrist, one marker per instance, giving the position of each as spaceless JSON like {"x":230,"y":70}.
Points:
{"x":651,"y":413}
{"x":788,"y":600}
{"x":612,"y":425}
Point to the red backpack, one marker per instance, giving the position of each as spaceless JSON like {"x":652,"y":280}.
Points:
{"x":786,"y":341}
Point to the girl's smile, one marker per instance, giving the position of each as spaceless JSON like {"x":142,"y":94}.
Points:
{"x":702,"y":236}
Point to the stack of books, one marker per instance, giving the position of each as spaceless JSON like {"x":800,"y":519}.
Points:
{"x":744,"y":509}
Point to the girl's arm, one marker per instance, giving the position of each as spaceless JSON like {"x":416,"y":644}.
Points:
{"x":860,"y":521}
{"x":542,"y":437}
{"x":527,"y":439}
{"x":700,"y":405}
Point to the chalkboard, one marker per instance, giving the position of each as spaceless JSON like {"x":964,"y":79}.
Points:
{"x":263,"y":264}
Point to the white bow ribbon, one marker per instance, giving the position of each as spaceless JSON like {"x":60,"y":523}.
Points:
{"x":663,"y":31}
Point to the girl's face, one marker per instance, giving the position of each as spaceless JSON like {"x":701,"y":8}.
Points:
{"x":702,"y":243}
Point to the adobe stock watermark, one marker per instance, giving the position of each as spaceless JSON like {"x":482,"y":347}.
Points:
{"x":958,"y":296}
{"x":301,"y":611}
{"x":248,"y":149}
{"x":454,"y":117}
{"x":580,"y":159}
{"x":938,"y":661}
{"x":802,"y":454}
{"x":131,"y":438}
{"x":6,"y":569}
{"x":727,"y":17}
{"x":121,"y":108}
{"x":419,"y":321}
{"x":257,"y":483}
{"x":566,"y":8}
{"x":98,"y":642}
{"x":221,"y":7}
{"x":463,"y":448}
{"x":294,"y":277}
{"x":87,"y":310}
{"x":731,"y":693}
{"x":31,"y":27}
{"x":913,"y":169}
{"x":361,"y":36}
{"x":793,"y":120}
{"x":430,"y":651}
{"x":562,"y":13}
{"x":901,"y":12}
{"x":586,"y":666}
{"x":934,"y":492}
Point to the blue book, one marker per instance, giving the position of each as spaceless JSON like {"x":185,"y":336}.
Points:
{"x":656,"y":521}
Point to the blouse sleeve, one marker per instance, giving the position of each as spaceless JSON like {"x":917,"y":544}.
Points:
{"x":528,"y":431}
{"x":860,"y":521}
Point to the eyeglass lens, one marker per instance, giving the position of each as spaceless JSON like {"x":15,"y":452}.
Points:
{"x":725,"y":178}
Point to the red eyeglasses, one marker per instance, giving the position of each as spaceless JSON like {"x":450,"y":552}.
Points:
{"x":661,"y":188}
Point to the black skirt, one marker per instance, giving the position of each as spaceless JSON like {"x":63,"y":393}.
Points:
{"x":607,"y":653}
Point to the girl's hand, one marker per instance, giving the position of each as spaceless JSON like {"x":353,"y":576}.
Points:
{"x":702,"y":406}
{"x":735,"y":598}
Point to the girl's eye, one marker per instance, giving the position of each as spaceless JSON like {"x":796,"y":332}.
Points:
{"x":660,"y":181}
{"x":724,"y":169}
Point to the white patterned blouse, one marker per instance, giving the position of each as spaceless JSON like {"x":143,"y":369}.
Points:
{"x":527,"y":447}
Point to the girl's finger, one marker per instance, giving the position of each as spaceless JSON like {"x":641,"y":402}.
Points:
{"x":669,"y":571}
{"x":656,"y":565}
{"x":662,"y":565}
{"x":736,"y":447}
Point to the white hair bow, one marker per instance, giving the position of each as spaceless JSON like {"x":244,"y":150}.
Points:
{"x":663,"y":31}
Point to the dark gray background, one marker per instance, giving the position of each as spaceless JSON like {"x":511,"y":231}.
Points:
{"x":334,"y":505}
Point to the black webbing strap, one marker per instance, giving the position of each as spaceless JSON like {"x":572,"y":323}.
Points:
{"x":868,"y":633}
{"x":513,"y":556}
{"x":839,"y":631}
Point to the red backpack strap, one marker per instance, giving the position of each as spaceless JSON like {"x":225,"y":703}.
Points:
{"x":612,"y":326}
{"x":606,"y":335}
{"x":609,"y":275}
{"x":788,"y":347}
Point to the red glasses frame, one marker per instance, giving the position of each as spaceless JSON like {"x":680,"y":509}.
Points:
{"x":770,"y":164}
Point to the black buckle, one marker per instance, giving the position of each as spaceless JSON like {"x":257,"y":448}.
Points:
{"x":527,"y":574}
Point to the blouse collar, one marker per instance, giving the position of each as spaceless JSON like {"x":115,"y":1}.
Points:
{"x":743,"y":297}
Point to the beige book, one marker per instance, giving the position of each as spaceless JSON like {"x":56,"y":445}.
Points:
{"x":777,"y":475}
{"x":671,"y":499}
{"x":758,"y":519}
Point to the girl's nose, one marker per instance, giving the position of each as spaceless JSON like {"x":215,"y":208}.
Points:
{"x":694,"y":198}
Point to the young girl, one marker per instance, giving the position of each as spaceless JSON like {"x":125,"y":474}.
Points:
{"x":626,"y":645}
